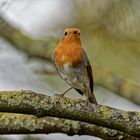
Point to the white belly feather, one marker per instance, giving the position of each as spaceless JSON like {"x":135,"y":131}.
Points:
{"x":75,"y":77}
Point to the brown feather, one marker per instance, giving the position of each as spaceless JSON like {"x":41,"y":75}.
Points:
{"x":89,"y":72}
{"x":79,"y":91}
{"x":91,"y":96}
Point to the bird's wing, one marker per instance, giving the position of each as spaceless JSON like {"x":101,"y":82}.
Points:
{"x":79,"y":91}
{"x":53,"y":60}
{"x":89,"y":70}
{"x":90,"y":75}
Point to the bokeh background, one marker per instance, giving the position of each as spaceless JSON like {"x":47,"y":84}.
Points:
{"x":110,"y":34}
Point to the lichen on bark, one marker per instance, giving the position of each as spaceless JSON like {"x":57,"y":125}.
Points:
{"x":29,"y":102}
{"x":13,"y":123}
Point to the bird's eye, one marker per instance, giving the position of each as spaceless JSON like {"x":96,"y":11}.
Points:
{"x":65,"y":33}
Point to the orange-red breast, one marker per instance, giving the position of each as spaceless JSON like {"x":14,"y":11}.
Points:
{"x":73,"y":65}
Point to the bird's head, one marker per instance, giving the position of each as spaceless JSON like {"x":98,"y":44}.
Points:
{"x":71,"y":35}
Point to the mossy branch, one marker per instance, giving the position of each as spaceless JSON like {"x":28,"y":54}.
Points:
{"x":12,"y":123}
{"x":29,"y":102}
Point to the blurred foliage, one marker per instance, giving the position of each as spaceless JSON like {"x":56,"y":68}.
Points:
{"x":28,"y":137}
{"x":31,"y":138}
{"x":24,"y":42}
{"x":111,"y":34}
{"x":1,"y":138}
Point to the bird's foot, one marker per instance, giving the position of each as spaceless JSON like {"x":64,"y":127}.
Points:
{"x":59,"y":95}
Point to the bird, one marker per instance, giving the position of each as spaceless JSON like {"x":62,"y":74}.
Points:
{"x":73,"y":66}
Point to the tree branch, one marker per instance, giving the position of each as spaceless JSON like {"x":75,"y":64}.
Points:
{"x":18,"y":39}
{"x":29,"y":102}
{"x":117,"y":84}
{"x":12,"y":123}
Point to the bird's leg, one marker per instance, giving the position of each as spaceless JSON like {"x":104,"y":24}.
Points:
{"x":86,"y":101}
{"x":62,"y":95}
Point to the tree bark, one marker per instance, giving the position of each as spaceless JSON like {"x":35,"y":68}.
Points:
{"x":29,"y":102}
{"x":12,"y":123}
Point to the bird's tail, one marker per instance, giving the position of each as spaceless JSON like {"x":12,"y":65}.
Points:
{"x":91,"y":98}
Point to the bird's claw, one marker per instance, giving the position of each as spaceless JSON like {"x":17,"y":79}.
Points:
{"x":59,"y":95}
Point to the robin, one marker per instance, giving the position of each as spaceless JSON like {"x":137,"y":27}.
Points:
{"x":73,"y":65}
